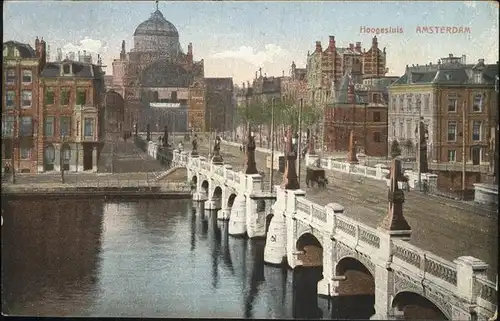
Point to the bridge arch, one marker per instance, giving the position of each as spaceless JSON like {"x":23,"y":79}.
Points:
{"x":205,"y":187}
{"x":359,"y":280}
{"x":230,"y":200}
{"x":194,"y":182}
{"x":217,"y":194}
{"x":412,"y":305}
{"x":311,"y":250}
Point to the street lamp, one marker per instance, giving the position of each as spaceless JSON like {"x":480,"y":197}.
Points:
{"x":272,"y":146}
{"x":62,"y":158}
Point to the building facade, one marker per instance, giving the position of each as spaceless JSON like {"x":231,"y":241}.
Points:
{"x":20,"y":108}
{"x":220,"y":105}
{"x":458,"y":105}
{"x":326,"y":67}
{"x":71,"y":108}
{"x":362,"y":111}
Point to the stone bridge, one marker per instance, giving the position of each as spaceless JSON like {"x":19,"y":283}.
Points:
{"x":355,"y":259}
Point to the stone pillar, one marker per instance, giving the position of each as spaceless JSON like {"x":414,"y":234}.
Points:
{"x":57,"y":158}
{"x":237,"y":220}
{"x":199,"y":200}
{"x":291,"y":224}
{"x":253,"y":183}
{"x":94,"y":159}
{"x":327,"y":286}
{"x":224,"y":214}
{"x":79,"y":157}
{"x":276,"y":240}
{"x":72,"y":162}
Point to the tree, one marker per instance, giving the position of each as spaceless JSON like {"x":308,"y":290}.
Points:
{"x":395,"y":149}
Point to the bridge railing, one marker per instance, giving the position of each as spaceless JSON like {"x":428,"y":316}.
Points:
{"x":425,"y":264}
{"x":487,"y":292}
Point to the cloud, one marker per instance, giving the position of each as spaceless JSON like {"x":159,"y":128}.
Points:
{"x":271,"y":53}
{"x":90,"y":45}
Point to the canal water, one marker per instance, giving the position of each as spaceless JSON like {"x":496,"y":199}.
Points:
{"x":148,"y":258}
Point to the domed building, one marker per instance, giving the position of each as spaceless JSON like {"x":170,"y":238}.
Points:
{"x":163,"y":86}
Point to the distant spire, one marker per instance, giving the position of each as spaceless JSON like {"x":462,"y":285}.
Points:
{"x":156,"y":1}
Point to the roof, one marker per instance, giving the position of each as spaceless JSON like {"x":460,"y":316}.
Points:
{"x":80,"y":69}
{"x":342,"y":91}
{"x":447,"y":74}
{"x":156,"y":25}
{"x":25,"y":50}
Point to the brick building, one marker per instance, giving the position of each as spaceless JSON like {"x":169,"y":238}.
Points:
{"x":71,"y":109}
{"x":220,"y":105}
{"x":448,"y":95}
{"x":20,"y":108}
{"x":326,"y":67}
{"x":364,"y":112}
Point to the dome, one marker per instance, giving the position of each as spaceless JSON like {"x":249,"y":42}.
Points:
{"x":156,"y":25}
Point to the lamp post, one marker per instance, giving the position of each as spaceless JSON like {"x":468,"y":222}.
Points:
{"x":299,"y":148}
{"x":419,"y":156}
{"x":210,"y":133}
{"x":272,"y":146}
{"x":464,"y":154}
{"x":62,"y":158}
{"x":15,"y":138}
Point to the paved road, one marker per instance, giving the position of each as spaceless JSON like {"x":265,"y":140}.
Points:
{"x":126,"y":158}
{"x":444,"y":227}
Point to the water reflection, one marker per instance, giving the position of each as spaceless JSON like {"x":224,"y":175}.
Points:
{"x":135,"y":259}
{"x":38,"y":269}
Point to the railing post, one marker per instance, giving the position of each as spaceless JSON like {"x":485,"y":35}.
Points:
{"x":332,"y":210}
{"x":468,"y":268}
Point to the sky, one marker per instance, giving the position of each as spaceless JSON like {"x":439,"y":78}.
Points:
{"x":235,"y":39}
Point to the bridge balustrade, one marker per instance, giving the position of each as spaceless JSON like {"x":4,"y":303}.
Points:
{"x":462,"y":281}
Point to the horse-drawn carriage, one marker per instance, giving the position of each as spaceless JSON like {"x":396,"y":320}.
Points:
{"x":316,"y":175}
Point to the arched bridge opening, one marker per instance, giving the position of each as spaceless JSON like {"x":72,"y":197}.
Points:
{"x":306,"y":276}
{"x":412,"y":306}
{"x":356,"y":293}
{"x":217,"y":197}
{"x":194,"y":182}
{"x":230,"y":200}
{"x":310,"y":251}
{"x":204,"y":187}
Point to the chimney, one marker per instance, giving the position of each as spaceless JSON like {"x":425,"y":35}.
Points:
{"x":79,"y":56}
{"x":331,"y":43}
{"x":190,"y":53}
{"x":42,"y":50}
{"x":464,"y":59}
{"x":256,"y":75}
{"x":481,"y":61}
{"x":351,"y":46}
{"x":451,"y":55}
{"x":358,"y":46}
{"x":260,"y":72}
{"x":283,"y":73}
{"x":374,"y":42}
{"x":318,"y":46}
{"x":243,"y":84}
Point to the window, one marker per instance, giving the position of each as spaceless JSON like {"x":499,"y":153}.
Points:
{"x":81,"y":97}
{"x":49,"y":96}
{"x":66,"y":69}
{"x":426,"y":102}
{"x":476,"y":130}
{"x":376,"y":116}
{"x":452,"y":156}
{"x":393,"y":129}
{"x":452,"y":131}
{"x":478,"y":78}
{"x":408,"y":104}
{"x":7,"y":126}
{"x":25,"y":126}
{"x":7,"y":148}
{"x":173,"y":96}
{"x":401,"y":129}
{"x":89,"y":127}
{"x":10,"y":99}
{"x":25,"y":152}
{"x":452,"y":104}
{"x":394,"y":103}
{"x":376,"y":137}
{"x":64,"y":97}
{"x":401,"y":102}
{"x":10,"y":77}
{"x":478,"y":103}
{"x":26,"y":99}
{"x":27,"y":76}
{"x":64,"y":126}
{"x":376,"y":98}
{"x":49,"y":126}
{"x":78,"y":128}
{"x":409,"y":130}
